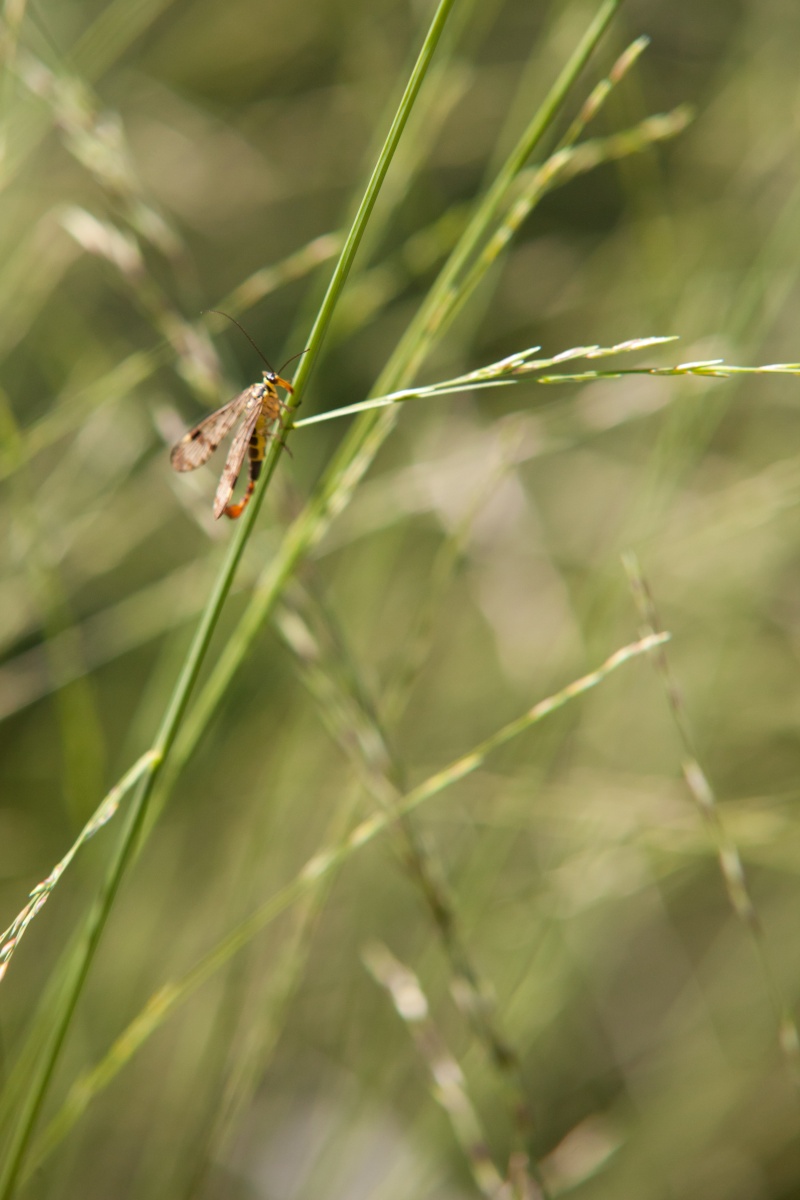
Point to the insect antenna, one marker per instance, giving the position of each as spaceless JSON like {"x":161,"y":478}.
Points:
{"x":263,"y":357}
{"x":294,"y":356}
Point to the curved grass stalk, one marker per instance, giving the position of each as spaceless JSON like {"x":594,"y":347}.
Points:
{"x":730,"y":862}
{"x":11,"y":938}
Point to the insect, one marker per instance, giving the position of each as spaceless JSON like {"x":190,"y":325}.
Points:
{"x":258,"y":407}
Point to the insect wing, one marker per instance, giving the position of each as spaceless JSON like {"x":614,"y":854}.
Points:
{"x":233,"y":463}
{"x":197,"y":446}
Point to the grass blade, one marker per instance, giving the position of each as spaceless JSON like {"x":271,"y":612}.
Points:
{"x":78,"y":967}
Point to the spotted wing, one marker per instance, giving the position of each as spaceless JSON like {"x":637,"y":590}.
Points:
{"x":233,"y":463}
{"x":197,"y":446}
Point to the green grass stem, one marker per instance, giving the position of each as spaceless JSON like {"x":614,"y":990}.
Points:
{"x":79,"y":965}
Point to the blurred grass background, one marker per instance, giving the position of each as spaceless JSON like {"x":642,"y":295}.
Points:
{"x":164,"y":158}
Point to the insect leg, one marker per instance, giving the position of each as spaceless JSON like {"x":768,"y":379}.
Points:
{"x":284,"y":408}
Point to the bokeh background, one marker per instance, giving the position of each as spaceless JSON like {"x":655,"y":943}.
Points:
{"x":162,"y":157}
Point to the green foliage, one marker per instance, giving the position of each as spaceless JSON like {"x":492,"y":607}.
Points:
{"x":368,"y":752}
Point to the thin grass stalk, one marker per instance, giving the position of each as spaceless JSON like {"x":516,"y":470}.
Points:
{"x":440,"y":303}
{"x":351,"y":716}
{"x":565,"y":164}
{"x":252,"y":1055}
{"x":702,"y":794}
{"x":363,"y":441}
{"x":78,"y":968}
{"x":424,"y":126}
{"x":443,"y":299}
{"x":449,"y":1085}
{"x":541,"y":176}
{"x":11,"y":937}
{"x":251,"y":1063}
{"x":319,"y":866}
